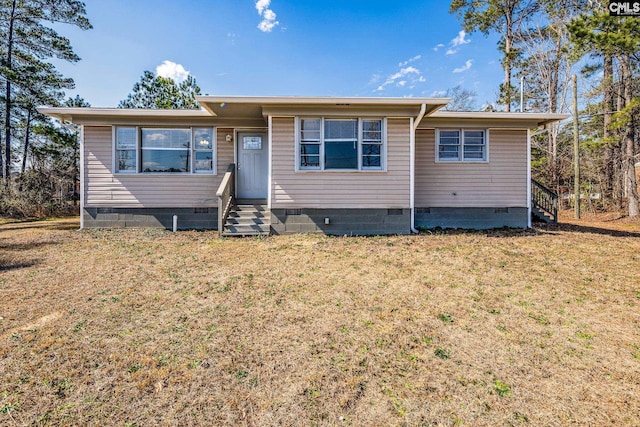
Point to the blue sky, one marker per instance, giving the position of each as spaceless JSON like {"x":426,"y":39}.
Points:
{"x":282,"y":47}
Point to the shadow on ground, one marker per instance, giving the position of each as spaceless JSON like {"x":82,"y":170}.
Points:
{"x":65,"y":224}
{"x":576,"y":228}
{"x":9,"y":265}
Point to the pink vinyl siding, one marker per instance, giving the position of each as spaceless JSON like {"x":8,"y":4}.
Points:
{"x":328,"y":189}
{"x":502,"y":182}
{"x":103,"y":188}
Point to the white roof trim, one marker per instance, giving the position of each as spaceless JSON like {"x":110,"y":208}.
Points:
{"x":320,"y":100}
{"x":540,"y":118}
{"x":68,"y":112}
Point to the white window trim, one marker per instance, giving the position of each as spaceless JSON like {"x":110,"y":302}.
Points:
{"x":361,"y":168}
{"x":460,"y":158}
{"x":192,"y":150}
{"x":213,"y":150}
{"x":114,"y":151}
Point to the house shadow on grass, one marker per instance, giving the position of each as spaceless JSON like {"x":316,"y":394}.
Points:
{"x":579,"y":228}
{"x":538,"y":229}
{"x":492,"y":232}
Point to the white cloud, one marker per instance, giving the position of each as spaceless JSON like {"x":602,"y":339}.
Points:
{"x":169,"y":69}
{"x":438,"y":47}
{"x":460,"y":39}
{"x":268,"y":21}
{"x":261,"y":5}
{"x":465,"y":67}
{"x":410,"y":60}
{"x":400,"y":78}
{"x":268,"y":16}
{"x":438,"y":93}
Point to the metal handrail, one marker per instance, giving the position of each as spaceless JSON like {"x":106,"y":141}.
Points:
{"x":226,"y":195}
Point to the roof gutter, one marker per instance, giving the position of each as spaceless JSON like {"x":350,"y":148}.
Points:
{"x":423,"y":111}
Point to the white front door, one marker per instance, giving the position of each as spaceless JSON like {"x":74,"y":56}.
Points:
{"x":252,"y":165}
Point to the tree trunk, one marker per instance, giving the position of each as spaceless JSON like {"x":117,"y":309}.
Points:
{"x":618,"y":150}
{"x":507,"y":67}
{"x":609,"y":155}
{"x":555,"y":176}
{"x":628,"y":144}
{"x":27,"y":135}
{"x":508,"y":47}
{"x":1,"y":155}
{"x":7,"y":102}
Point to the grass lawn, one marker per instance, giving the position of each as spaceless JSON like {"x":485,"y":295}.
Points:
{"x":146,"y":327}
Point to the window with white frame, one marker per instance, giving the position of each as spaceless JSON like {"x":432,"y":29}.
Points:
{"x":203,"y":150}
{"x":462,"y":145}
{"x":126,"y":150}
{"x":341,"y":144}
{"x":164,"y":150}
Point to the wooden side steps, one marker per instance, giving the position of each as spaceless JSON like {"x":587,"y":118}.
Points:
{"x":542,"y":216}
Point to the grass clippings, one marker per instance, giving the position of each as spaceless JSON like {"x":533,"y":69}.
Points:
{"x":147,"y":327}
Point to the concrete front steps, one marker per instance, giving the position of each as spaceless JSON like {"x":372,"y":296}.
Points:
{"x":248,"y":218}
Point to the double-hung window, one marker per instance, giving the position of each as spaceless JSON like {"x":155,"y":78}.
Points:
{"x":310,"y":142}
{"x":164,"y":150}
{"x":462,"y":145}
{"x":126,"y":150}
{"x":203,"y":150}
{"x":341,"y":144}
{"x":371,"y":144}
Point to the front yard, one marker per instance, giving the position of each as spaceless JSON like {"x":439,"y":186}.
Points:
{"x":146,"y":327}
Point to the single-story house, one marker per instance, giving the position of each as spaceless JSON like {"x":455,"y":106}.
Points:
{"x":252,"y":165}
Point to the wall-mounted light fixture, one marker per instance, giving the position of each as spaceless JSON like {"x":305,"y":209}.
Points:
{"x":229,"y":138}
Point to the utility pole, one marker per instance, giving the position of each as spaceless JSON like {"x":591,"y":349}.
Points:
{"x":576,"y":148}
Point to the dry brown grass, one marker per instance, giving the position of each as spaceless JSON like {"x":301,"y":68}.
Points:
{"x":145,"y":327}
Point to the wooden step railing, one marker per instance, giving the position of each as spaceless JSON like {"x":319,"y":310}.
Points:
{"x":544,"y":200}
{"x":226,"y":195}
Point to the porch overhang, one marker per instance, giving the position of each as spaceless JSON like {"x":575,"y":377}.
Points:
{"x":501,"y":120}
{"x":286,"y":106}
{"x":90,"y":115}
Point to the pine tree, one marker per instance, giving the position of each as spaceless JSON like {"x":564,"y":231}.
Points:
{"x":617,"y":38}
{"x":158,"y":92}
{"x":26,"y":44}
